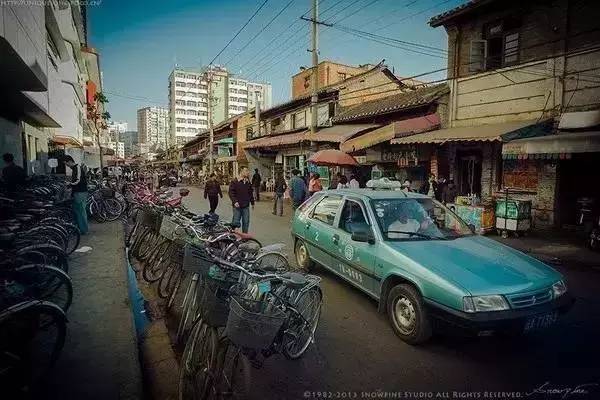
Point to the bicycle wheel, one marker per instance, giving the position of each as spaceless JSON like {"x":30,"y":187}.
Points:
{"x":176,"y":286}
{"x":197,"y":366}
{"x":189,"y":308}
{"x":32,"y":335}
{"x":44,"y":282}
{"x":157,"y":264}
{"x":168,"y":280}
{"x":74,"y":237}
{"x":111,"y":209}
{"x":272,"y":260}
{"x":233,"y":377}
{"x":300,"y":328}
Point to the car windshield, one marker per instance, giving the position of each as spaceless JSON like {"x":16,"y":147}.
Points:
{"x":417,"y":219}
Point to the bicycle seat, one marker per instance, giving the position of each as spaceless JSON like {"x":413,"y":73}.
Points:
{"x":294,"y":280}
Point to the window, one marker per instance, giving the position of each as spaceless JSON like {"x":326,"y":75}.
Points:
{"x":353,"y":218}
{"x":179,"y":111}
{"x":191,"y":121}
{"x":498,"y":48}
{"x":180,"y":93}
{"x":191,"y":85}
{"x":192,"y":112}
{"x":299,"y":120}
{"x":233,"y":108}
{"x":191,"y":103}
{"x":190,"y":76}
{"x":181,"y":120}
{"x":233,"y":99}
{"x":179,"y":83}
{"x":327,"y":209}
{"x":180,"y":102}
{"x":342,"y":76}
{"x":179,"y":75}
{"x":242,"y":91}
{"x":233,"y":90}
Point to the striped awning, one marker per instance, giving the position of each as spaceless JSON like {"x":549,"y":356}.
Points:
{"x":558,"y":146}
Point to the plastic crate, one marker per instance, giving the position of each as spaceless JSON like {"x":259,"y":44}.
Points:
{"x":148,"y":217}
{"x":253,"y":324}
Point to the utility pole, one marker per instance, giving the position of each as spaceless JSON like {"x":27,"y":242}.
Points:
{"x":315,"y":66}
{"x":210,"y":122}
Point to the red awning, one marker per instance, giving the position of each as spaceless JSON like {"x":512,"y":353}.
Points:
{"x":275,"y":141}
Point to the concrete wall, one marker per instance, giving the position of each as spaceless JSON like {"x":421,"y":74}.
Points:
{"x":367,"y":88}
{"x":10,"y":139}
{"x":24,"y":27}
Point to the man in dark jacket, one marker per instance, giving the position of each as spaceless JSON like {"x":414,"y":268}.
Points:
{"x":240,"y":193}
{"x":280,"y":187}
{"x":256,"y":181}
{"x":212,"y":191}
{"x":12,"y":174}
{"x":298,"y":190}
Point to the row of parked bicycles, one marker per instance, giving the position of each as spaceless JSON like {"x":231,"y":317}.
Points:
{"x":37,"y":235}
{"x":237,"y":302}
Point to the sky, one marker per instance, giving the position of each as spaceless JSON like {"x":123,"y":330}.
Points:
{"x":141,"y":41}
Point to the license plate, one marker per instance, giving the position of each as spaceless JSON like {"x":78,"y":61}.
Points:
{"x":541,"y":321}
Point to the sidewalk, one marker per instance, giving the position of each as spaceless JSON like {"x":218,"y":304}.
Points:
{"x":100,"y":358}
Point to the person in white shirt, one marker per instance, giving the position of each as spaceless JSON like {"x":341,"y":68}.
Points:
{"x":353,"y":184}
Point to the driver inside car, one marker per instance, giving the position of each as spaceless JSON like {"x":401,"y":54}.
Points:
{"x":409,"y":218}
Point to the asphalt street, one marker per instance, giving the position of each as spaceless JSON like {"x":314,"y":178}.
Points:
{"x":357,"y":355}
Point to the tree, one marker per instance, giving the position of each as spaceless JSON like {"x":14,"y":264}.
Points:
{"x":99,"y":119}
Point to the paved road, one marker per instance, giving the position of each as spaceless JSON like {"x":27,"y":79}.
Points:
{"x":357,"y":351}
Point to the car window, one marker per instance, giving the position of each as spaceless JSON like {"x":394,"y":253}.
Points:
{"x":327,"y":209}
{"x":353,"y":218}
{"x":308,"y":203}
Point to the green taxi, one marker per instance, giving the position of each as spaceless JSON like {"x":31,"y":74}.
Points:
{"x":424,"y":265}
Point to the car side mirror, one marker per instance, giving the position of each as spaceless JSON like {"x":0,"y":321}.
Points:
{"x":363,"y":236}
{"x":472,"y":228}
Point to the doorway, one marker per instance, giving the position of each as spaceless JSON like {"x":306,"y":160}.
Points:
{"x":468,"y":176}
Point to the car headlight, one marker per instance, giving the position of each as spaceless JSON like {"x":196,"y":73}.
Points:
{"x":559,"y":288}
{"x":494,"y":302}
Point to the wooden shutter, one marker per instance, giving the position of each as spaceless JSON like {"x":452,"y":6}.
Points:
{"x":511,"y":48}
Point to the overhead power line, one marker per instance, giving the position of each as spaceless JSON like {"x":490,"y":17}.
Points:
{"x":260,"y":31}
{"x":239,"y":31}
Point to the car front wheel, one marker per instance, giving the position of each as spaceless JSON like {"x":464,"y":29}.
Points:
{"x":302,"y":258}
{"x":407,"y":314}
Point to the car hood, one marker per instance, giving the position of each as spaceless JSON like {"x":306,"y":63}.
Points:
{"x":480,"y":265}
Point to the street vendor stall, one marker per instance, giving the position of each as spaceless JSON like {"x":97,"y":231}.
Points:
{"x":321,"y":161}
{"x":480,"y":216}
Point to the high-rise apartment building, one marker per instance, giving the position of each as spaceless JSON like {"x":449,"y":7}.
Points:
{"x":188,"y":99}
{"x":115,"y":129}
{"x":129,"y":139}
{"x":153,"y":127}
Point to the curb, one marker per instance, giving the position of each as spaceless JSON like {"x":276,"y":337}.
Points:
{"x":158,"y":362}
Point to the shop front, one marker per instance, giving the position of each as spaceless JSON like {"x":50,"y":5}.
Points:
{"x":560,"y":172}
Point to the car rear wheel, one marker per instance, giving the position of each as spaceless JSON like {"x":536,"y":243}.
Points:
{"x":302,"y":257}
{"x":407,"y":314}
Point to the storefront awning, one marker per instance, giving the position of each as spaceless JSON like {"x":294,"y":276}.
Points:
{"x":553,"y":146}
{"x":65,"y":141}
{"x":274,"y":141}
{"x":339,"y":133}
{"x":480,"y":133}
{"x":388,"y":132}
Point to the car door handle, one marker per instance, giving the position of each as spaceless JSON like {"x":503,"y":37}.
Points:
{"x":335,"y":239}
{"x":307,"y":225}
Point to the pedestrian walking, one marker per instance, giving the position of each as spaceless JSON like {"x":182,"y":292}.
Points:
{"x":12,"y":174}
{"x":353,"y":184}
{"x":212,"y":191}
{"x":79,"y":190}
{"x":279,"y":188}
{"x":314,"y":184}
{"x":240,"y":193}
{"x":297,"y":189}
{"x":256,"y":181}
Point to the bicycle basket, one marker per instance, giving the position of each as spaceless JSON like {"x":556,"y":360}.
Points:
{"x":253,"y":324}
{"x":215,"y":305}
{"x":107,"y":193}
{"x":196,"y":259}
{"x":148,"y":217}
{"x":168,"y":228}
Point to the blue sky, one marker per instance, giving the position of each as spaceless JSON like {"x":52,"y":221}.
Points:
{"x":140,"y":41}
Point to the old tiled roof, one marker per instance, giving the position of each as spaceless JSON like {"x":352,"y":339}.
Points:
{"x":390,"y":104}
{"x":454,"y":12}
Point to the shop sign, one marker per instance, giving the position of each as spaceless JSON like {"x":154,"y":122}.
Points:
{"x":514,"y":148}
{"x":405,"y":156}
